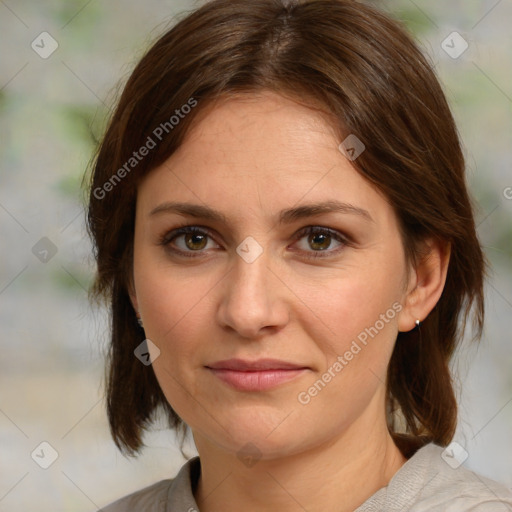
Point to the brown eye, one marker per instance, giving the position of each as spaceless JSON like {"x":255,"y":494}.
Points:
{"x":186,"y":241}
{"x":320,"y":239}
{"x":195,"y":241}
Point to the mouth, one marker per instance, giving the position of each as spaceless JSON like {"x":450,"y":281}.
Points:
{"x":259,"y":375}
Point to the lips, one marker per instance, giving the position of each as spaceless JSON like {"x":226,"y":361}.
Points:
{"x":259,"y":375}
{"x":258,"y":365}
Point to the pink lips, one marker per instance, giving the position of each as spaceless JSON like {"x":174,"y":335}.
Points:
{"x":257,"y":375}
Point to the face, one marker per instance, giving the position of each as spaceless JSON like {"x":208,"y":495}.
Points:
{"x":275,"y":321}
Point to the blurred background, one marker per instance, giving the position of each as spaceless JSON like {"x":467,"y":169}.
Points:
{"x":61,"y":62}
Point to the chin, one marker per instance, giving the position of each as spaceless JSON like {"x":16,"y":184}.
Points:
{"x":261,"y":434}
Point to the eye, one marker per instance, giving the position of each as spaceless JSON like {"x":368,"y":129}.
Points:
{"x":192,"y":239}
{"x":320,"y":240}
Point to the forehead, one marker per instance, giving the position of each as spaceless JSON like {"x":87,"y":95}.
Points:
{"x":255,"y":152}
{"x":265,"y":126}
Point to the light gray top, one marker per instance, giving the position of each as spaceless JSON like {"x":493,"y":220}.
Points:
{"x":426,"y":482}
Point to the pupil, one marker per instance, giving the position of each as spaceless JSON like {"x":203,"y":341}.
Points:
{"x":319,"y":244}
{"x":193,"y":239}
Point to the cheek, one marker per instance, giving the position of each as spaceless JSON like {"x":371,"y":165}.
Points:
{"x":176,"y":318}
{"x":361,"y":316}
{"x":354,"y":328}
{"x":174,"y":309}
{"x":348,"y":305}
{"x":169,"y":295}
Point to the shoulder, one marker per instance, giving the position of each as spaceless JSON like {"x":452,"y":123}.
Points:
{"x":458,"y":488}
{"x":452,"y":487}
{"x":434,"y":480}
{"x":151,"y":498}
{"x":164,"y":496}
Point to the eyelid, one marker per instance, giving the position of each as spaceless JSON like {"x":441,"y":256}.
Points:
{"x":341,"y":237}
{"x":169,"y":236}
{"x":312,"y":229}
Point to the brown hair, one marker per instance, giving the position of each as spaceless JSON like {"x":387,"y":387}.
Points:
{"x":369,"y":76}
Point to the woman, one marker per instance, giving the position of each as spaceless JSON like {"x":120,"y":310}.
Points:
{"x":284,"y":236}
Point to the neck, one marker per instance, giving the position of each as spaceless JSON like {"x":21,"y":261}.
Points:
{"x":337,"y":476}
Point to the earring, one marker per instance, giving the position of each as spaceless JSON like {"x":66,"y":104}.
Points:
{"x":139,"y":319}
{"x":417,"y":323}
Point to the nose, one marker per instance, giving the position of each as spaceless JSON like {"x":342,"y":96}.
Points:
{"x":253,"y":302}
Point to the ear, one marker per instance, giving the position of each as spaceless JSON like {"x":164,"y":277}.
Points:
{"x":426,"y":283}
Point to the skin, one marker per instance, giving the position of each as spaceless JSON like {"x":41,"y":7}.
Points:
{"x":251,"y":157}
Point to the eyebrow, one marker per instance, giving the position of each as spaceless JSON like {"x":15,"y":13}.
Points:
{"x":287,"y":216}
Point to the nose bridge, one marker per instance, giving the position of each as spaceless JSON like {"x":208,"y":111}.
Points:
{"x":250,"y":273}
{"x":251,"y":299}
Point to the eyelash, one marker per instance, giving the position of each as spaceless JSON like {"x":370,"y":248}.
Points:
{"x":168,"y":237}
